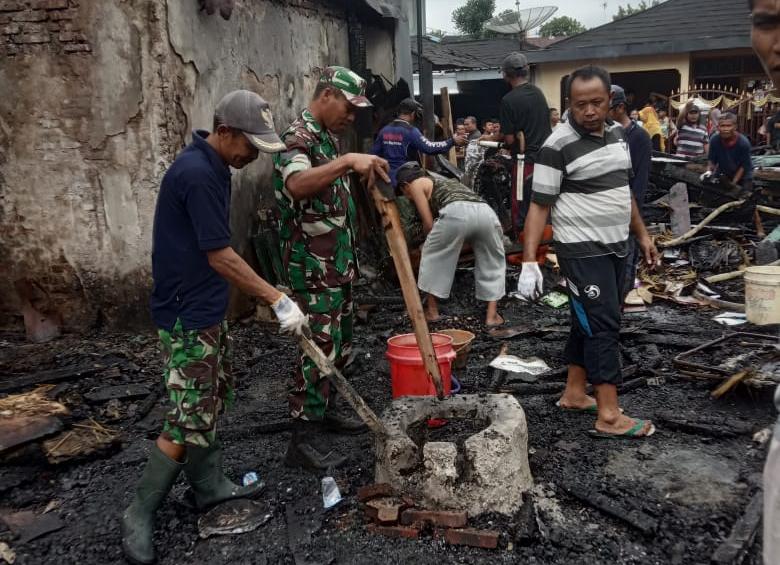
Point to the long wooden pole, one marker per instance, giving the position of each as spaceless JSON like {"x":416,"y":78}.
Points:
{"x":327,"y":367}
{"x":403,"y":267}
{"x":446,"y":122}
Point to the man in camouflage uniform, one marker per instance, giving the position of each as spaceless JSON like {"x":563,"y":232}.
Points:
{"x":192,"y":264}
{"x":317,"y":235}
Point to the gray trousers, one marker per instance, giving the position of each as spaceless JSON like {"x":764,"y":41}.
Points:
{"x":458,"y":223}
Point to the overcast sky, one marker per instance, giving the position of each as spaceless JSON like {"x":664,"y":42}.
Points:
{"x":590,"y":12}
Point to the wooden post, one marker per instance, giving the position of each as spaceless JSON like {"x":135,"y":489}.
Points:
{"x":396,"y":242}
{"x":446,"y":122}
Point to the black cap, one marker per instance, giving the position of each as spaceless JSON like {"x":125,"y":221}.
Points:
{"x":408,"y":172}
{"x":514,"y":61}
{"x":409,"y":106}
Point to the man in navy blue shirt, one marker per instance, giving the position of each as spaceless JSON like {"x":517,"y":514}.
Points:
{"x":640,"y":148}
{"x":395,"y":139}
{"x":192,"y":266}
{"x":729,"y":154}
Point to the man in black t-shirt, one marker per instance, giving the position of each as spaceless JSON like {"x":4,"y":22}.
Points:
{"x":524,"y":111}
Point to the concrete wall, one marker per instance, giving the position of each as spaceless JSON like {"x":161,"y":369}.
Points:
{"x":548,"y":75}
{"x":97,"y":98}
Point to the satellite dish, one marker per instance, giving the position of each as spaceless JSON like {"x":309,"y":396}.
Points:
{"x":526,"y":20}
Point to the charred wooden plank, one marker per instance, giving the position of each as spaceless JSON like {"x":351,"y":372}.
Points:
{"x":633,"y":517}
{"x":742,"y":535}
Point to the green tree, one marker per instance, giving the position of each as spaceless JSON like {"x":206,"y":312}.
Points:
{"x":473,"y":15}
{"x":629,"y":9}
{"x":562,"y":26}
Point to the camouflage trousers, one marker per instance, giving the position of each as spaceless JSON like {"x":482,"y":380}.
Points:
{"x":199,"y":380}
{"x":330,"y":320}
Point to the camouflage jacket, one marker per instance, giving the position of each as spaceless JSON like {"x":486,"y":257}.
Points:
{"x":316,"y":235}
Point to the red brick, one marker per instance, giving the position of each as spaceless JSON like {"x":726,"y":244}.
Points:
{"x":441,"y":518}
{"x":29,"y":16}
{"x":395,"y":531}
{"x":11,"y":5}
{"x":486,"y":539}
{"x":48,"y":4}
{"x":367,"y":492}
{"x":384,"y":510}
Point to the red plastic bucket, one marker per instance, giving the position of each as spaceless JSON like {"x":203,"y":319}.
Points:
{"x":407,"y":371}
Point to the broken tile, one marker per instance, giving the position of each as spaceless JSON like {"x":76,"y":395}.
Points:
{"x":233,"y":517}
{"x":367,"y":492}
{"x":23,"y":429}
{"x":29,"y":526}
{"x":6,"y":553}
{"x":384,"y":510}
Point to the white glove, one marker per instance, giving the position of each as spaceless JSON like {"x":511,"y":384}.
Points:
{"x":705,"y":175}
{"x":529,"y":285}
{"x":291,"y":319}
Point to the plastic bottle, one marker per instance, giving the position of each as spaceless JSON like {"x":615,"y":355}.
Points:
{"x":250,"y":478}
{"x":331,"y":495}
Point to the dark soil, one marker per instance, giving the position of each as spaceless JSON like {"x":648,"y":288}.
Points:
{"x":694,"y":486}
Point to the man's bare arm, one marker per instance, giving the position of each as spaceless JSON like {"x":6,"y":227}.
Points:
{"x":645,"y":242}
{"x":534,"y":228}
{"x":237,"y":272}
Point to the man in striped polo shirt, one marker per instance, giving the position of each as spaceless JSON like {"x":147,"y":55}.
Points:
{"x":582,"y":176}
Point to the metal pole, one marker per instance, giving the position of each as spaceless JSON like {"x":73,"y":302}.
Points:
{"x":425,"y":76}
{"x":420,"y":33}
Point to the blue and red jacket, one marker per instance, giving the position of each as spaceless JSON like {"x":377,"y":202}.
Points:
{"x":394,"y":140}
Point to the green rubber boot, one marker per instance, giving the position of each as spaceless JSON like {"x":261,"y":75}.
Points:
{"x":138,"y":520}
{"x":209,"y":484}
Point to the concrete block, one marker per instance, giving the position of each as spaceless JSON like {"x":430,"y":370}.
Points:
{"x":486,"y":539}
{"x":491,"y":472}
{"x":384,"y":510}
{"x":438,"y":518}
{"x":395,"y":531}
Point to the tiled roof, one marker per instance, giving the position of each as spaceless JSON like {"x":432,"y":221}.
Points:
{"x":463,"y":52}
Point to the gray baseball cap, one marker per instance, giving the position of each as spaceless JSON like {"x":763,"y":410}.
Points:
{"x":618,"y":96}
{"x":248,"y":112}
{"x":514,"y":60}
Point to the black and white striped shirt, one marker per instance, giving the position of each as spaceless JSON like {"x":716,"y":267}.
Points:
{"x":584,"y":177}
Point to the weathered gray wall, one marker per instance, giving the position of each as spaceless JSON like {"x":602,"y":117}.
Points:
{"x":96,"y":99}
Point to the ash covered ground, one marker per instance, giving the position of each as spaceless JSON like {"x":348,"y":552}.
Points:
{"x":690,"y":486}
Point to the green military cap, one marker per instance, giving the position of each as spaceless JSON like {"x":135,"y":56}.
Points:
{"x":351,"y":84}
